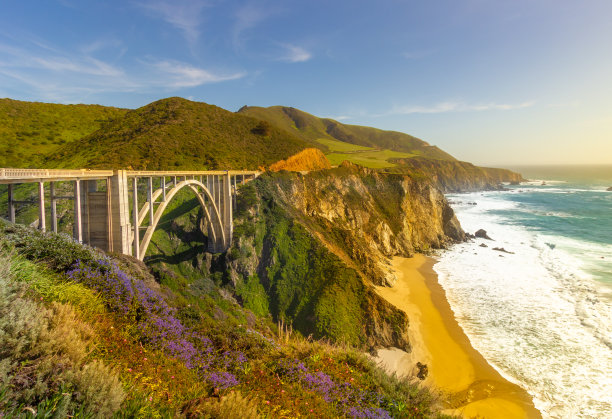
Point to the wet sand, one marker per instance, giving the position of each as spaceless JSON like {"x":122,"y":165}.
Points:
{"x":470,"y":386}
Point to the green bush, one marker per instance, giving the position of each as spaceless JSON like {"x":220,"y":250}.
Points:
{"x":44,"y":354}
{"x":254,"y":296}
{"x":58,"y":251}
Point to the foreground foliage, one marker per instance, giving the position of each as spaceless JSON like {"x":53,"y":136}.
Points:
{"x":130,"y":347}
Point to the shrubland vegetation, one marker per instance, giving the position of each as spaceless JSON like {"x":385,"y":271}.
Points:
{"x":175,"y":133}
{"x":85,"y":334}
{"x":31,"y":130}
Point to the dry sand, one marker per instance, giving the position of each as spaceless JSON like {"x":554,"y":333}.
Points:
{"x":471,"y":385}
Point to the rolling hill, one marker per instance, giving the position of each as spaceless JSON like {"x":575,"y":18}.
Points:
{"x":31,"y":130}
{"x":367,"y":146}
{"x":176,"y":133}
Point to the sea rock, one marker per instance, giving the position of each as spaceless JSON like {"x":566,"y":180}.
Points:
{"x":423,"y":371}
{"x":482,"y":234}
{"x":501,"y":249}
{"x":609,"y":189}
{"x":483,"y":245}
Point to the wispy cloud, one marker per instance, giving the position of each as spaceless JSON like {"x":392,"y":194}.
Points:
{"x":339,"y":117}
{"x":72,"y":76}
{"x":295,"y":54}
{"x":444,"y":107}
{"x":178,"y":74}
{"x":49,"y":59}
{"x":247,"y":17}
{"x":184,"y":15}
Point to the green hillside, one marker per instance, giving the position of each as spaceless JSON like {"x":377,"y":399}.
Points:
{"x":30,"y":130}
{"x":176,"y":133}
{"x":366,"y":146}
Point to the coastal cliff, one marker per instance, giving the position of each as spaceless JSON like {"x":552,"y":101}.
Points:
{"x":457,"y":176}
{"x":309,"y":249}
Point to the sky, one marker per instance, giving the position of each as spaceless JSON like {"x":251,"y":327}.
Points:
{"x":493,"y":82}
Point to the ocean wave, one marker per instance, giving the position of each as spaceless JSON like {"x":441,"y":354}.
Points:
{"x":537,"y":315}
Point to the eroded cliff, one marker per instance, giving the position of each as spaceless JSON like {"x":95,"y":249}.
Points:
{"x":309,"y":248}
{"x":457,"y":176}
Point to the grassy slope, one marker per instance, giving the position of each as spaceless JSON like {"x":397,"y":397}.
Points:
{"x":124,"y":359}
{"x":175,"y":133}
{"x":30,"y":130}
{"x":350,"y":140}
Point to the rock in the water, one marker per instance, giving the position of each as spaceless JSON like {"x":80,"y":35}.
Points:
{"x":609,"y":189}
{"x":482,"y":234}
{"x":483,"y":245}
{"x":501,"y":249}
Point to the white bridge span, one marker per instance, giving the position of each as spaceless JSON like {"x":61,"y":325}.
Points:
{"x":107,"y":213}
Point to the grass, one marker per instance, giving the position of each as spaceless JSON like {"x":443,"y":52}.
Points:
{"x":328,"y":133}
{"x":340,"y":146}
{"x":176,"y":133}
{"x":31,"y":130}
{"x":375,"y":159}
{"x":110,"y":366}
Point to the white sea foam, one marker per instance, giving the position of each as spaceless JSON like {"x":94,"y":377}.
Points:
{"x":535,"y":315}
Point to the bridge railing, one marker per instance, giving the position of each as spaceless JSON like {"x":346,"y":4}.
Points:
{"x":8,"y":175}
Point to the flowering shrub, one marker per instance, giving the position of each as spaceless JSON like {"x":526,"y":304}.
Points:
{"x":155,"y":322}
{"x":349,"y":399}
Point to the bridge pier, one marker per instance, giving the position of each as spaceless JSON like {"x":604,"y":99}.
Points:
{"x":121,"y":229}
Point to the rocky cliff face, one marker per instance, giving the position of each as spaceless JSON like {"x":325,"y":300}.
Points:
{"x":457,"y":176}
{"x":366,"y":217}
{"x":310,"y":247}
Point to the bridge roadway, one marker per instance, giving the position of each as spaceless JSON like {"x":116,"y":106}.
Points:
{"x":103,"y":199}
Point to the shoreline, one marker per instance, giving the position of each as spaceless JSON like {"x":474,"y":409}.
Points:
{"x":471,"y":386}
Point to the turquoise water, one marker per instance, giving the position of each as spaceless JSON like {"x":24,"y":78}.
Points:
{"x":573,"y":206}
{"x":541,"y":315}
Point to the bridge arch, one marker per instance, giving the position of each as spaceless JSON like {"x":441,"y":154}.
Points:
{"x":213,"y":216}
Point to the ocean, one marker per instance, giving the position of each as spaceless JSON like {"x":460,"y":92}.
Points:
{"x":542,"y":314}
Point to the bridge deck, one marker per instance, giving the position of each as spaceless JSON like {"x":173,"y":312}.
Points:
{"x":9,"y":176}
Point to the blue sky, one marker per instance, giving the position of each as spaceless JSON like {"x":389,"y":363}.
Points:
{"x":490,"y":81}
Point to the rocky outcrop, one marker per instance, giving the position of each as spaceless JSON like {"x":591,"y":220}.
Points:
{"x":367,"y":217}
{"x":458,"y":176}
{"x":609,"y":189}
{"x":482,"y":234}
{"x":306,"y":160}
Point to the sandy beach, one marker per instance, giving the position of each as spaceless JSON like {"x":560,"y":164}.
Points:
{"x":470,"y":385}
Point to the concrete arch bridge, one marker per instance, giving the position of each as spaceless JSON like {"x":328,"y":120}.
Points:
{"x":119,"y":210}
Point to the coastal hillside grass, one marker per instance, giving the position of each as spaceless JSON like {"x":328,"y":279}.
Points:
{"x":375,"y":159}
{"x":322,"y":130}
{"x":176,"y":133}
{"x":31,"y":130}
{"x":148,"y":350}
{"x":340,"y":146}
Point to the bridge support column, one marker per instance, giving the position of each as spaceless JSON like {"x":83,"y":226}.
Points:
{"x":226,"y":207}
{"x":121,"y":229}
{"x":78,"y":227}
{"x":11,"y":204}
{"x":42,"y":222}
{"x":135,"y":227}
{"x":53,"y":200}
